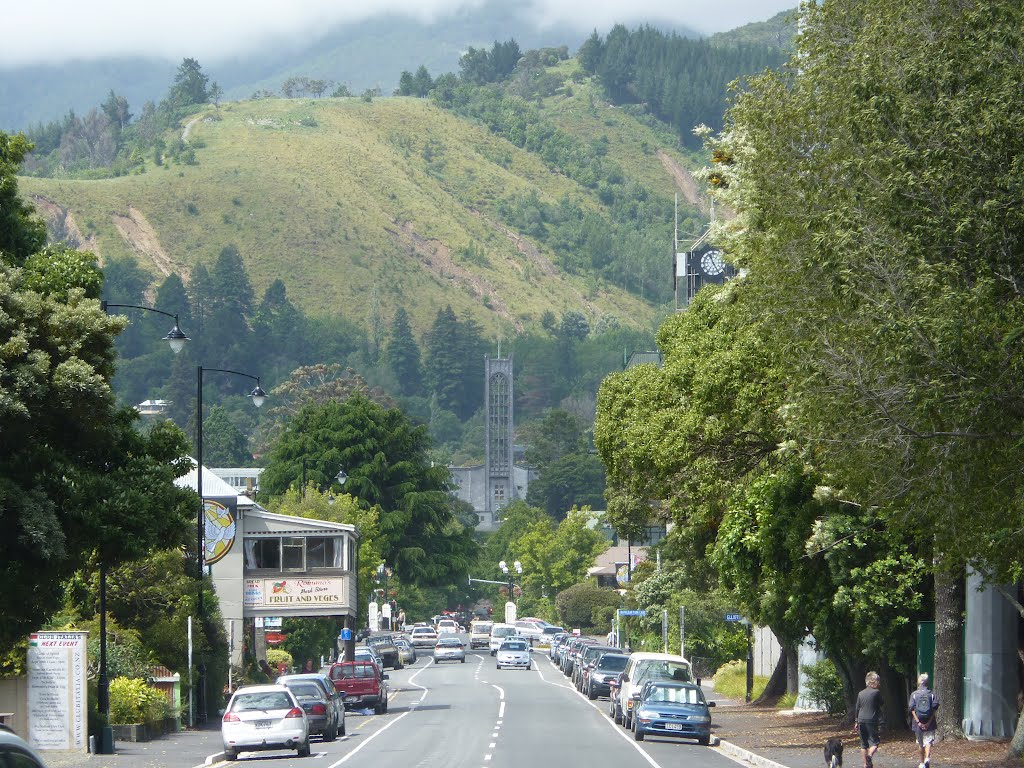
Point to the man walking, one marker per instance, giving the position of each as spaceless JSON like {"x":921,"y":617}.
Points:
{"x":923,"y":704}
{"x":868,"y":717}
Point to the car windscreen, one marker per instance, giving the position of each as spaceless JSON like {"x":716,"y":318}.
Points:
{"x":449,"y":643}
{"x":612,"y":663}
{"x":674,"y":695}
{"x":503,"y":631}
{"x":249,"y":702}
{"x":513,"y":646}
{"x":658,"y":669}
{"x":357,"y":671}
{"x":307,"y":690}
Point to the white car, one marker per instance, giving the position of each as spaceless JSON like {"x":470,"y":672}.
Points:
{"x":514,"y":653}
{"x":423,"y":637}
{"x":448,"y":627}
{"x":531,"y":630}
{"x":499,"y":633}
{"x":262,"y":717}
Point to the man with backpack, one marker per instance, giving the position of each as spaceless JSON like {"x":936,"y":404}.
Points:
{"x":923,"y":705}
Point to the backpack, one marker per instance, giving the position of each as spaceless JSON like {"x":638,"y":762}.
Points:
{"x":923,"y":707}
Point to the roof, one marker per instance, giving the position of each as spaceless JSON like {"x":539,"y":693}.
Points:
{"x":606,"y":563}
{"x":213,"y":486}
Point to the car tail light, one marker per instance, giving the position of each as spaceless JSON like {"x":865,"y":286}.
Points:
{"x":231,"y":717}
{"x":295,"y":712}
{"x":319,"y":709}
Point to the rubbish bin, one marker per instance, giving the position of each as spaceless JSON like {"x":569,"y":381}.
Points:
{"x":106,"y":745}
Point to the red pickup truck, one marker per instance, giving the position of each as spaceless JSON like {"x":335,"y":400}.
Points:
{"x":364,"y":684}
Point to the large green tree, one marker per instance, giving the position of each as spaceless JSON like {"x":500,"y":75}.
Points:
{"x":385,"y":458}
{"x":877,"y":185}
{"x":77,"y":480}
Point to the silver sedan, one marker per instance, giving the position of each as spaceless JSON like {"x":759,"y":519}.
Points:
{"x":449,"y":649}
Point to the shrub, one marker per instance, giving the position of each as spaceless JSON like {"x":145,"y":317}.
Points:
{"x":731,"y":681}
{"x":576,"y":605}
{"x":823,"y":687}
{"x":276,"y":656}
{"x":134,"y":701}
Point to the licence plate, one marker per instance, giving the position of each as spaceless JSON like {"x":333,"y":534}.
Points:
{"x":263,"y":723}
{"x":673,"y":726}
{"x":351,"y":698}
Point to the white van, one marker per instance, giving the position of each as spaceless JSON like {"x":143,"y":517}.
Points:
{"x":498,"y":633}
{"x":480,"y":634}
{"x":640,"y":668}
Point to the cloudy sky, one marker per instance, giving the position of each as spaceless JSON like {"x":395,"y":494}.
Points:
{"x":54,"y":31}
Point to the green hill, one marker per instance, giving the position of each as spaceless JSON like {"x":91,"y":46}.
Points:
{"x":350,"y":201}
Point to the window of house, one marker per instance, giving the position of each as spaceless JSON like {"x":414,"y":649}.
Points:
{"x":292,"y":551}
{"x":266,"y":553}
{"x":324,"y":552}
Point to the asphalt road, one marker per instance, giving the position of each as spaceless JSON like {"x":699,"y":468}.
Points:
{"x":469,"y":715}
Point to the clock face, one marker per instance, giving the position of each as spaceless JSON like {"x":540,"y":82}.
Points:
{"x":712,"y":263}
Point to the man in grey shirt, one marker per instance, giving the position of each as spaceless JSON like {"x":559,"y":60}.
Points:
{"x":868,"y":716}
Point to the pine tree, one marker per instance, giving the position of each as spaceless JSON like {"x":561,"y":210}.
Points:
{"x":403,"y":355}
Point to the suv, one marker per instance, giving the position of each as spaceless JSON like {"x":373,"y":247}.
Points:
{"x":640,"y":668}
{"x":363,"y":682}
{"x":385,"y":647}
{"x":588,"y":656}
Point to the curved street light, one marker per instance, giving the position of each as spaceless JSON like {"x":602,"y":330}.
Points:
{"x":176,"y":339}
{"x":258,"y":398}
{"x":340,"y":478}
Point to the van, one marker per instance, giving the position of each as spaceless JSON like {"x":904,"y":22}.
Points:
{"x":640,"y":668}
{"x":498,"y":633}
{"x":480,"y":634}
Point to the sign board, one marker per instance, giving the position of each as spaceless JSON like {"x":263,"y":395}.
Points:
{"x":275,"y":638}
{"x":734,"y":617}
{"x":57,"y":693}
{"x":632,"y":612}
{"x":273,"y":622}
{"x":295,"y":593}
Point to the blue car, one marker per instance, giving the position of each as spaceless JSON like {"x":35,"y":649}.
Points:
{"x":666,"y":708}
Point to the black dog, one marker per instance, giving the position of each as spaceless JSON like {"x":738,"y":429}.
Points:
{"x":834,"y":753}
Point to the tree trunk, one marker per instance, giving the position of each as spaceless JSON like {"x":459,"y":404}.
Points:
{"x":776,"y":683}
{"x":793,"y":669}
{"x":950,"y":604}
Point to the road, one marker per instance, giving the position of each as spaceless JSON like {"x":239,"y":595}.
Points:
{"x":472,"y":715}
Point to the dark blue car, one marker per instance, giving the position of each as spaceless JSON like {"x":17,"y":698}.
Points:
{"x":666,"y":708}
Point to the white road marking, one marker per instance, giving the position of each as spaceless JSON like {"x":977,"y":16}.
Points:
{"x":374,"y":735}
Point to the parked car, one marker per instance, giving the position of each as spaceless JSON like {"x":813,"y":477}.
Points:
{"x":406,"y":650}
{"x":264,"y":717}
{"x":480,"y":634}
{"x":665,"y":708}
{"x":15,"y":751}
{"x":640,"y":668}
{"x":384,"y":646}
{"x":336,"y":697}
{"x":366,"y":653}
{"x":449,"y":649}
{"x":531,"y":630}
{"x":423,"y":637}
{"x":606,"y":669}
{"x":499,"y":632}
{"x":513,"y":653}
{"x":556,"y":643}
{"x":588,"y":655}
{"x":318,"y":707}
{"x":364,"y":684}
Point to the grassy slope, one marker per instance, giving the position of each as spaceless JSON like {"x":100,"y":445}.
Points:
{"x":366,"y":198}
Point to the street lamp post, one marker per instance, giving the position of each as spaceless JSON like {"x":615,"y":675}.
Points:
{"x":176,"y":340}
{"x":510,"y":606}
{"x":258,"y":397}
{"x":383,"y":572}
{"x":341,"y":477}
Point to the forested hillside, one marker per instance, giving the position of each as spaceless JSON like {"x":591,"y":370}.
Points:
{"x":384,"y":245}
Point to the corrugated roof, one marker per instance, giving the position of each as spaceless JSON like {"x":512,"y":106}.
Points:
{"x":212,"y":485}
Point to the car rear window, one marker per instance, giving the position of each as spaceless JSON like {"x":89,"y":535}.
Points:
{"x":355,"y":671}
{"x":306,"y":689}
{"x":656,"y":669}
{"x":613,"y":663}
{"x":248,"y":702}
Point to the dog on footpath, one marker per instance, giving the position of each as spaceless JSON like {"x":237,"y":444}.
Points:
{"x":834,"y":753}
